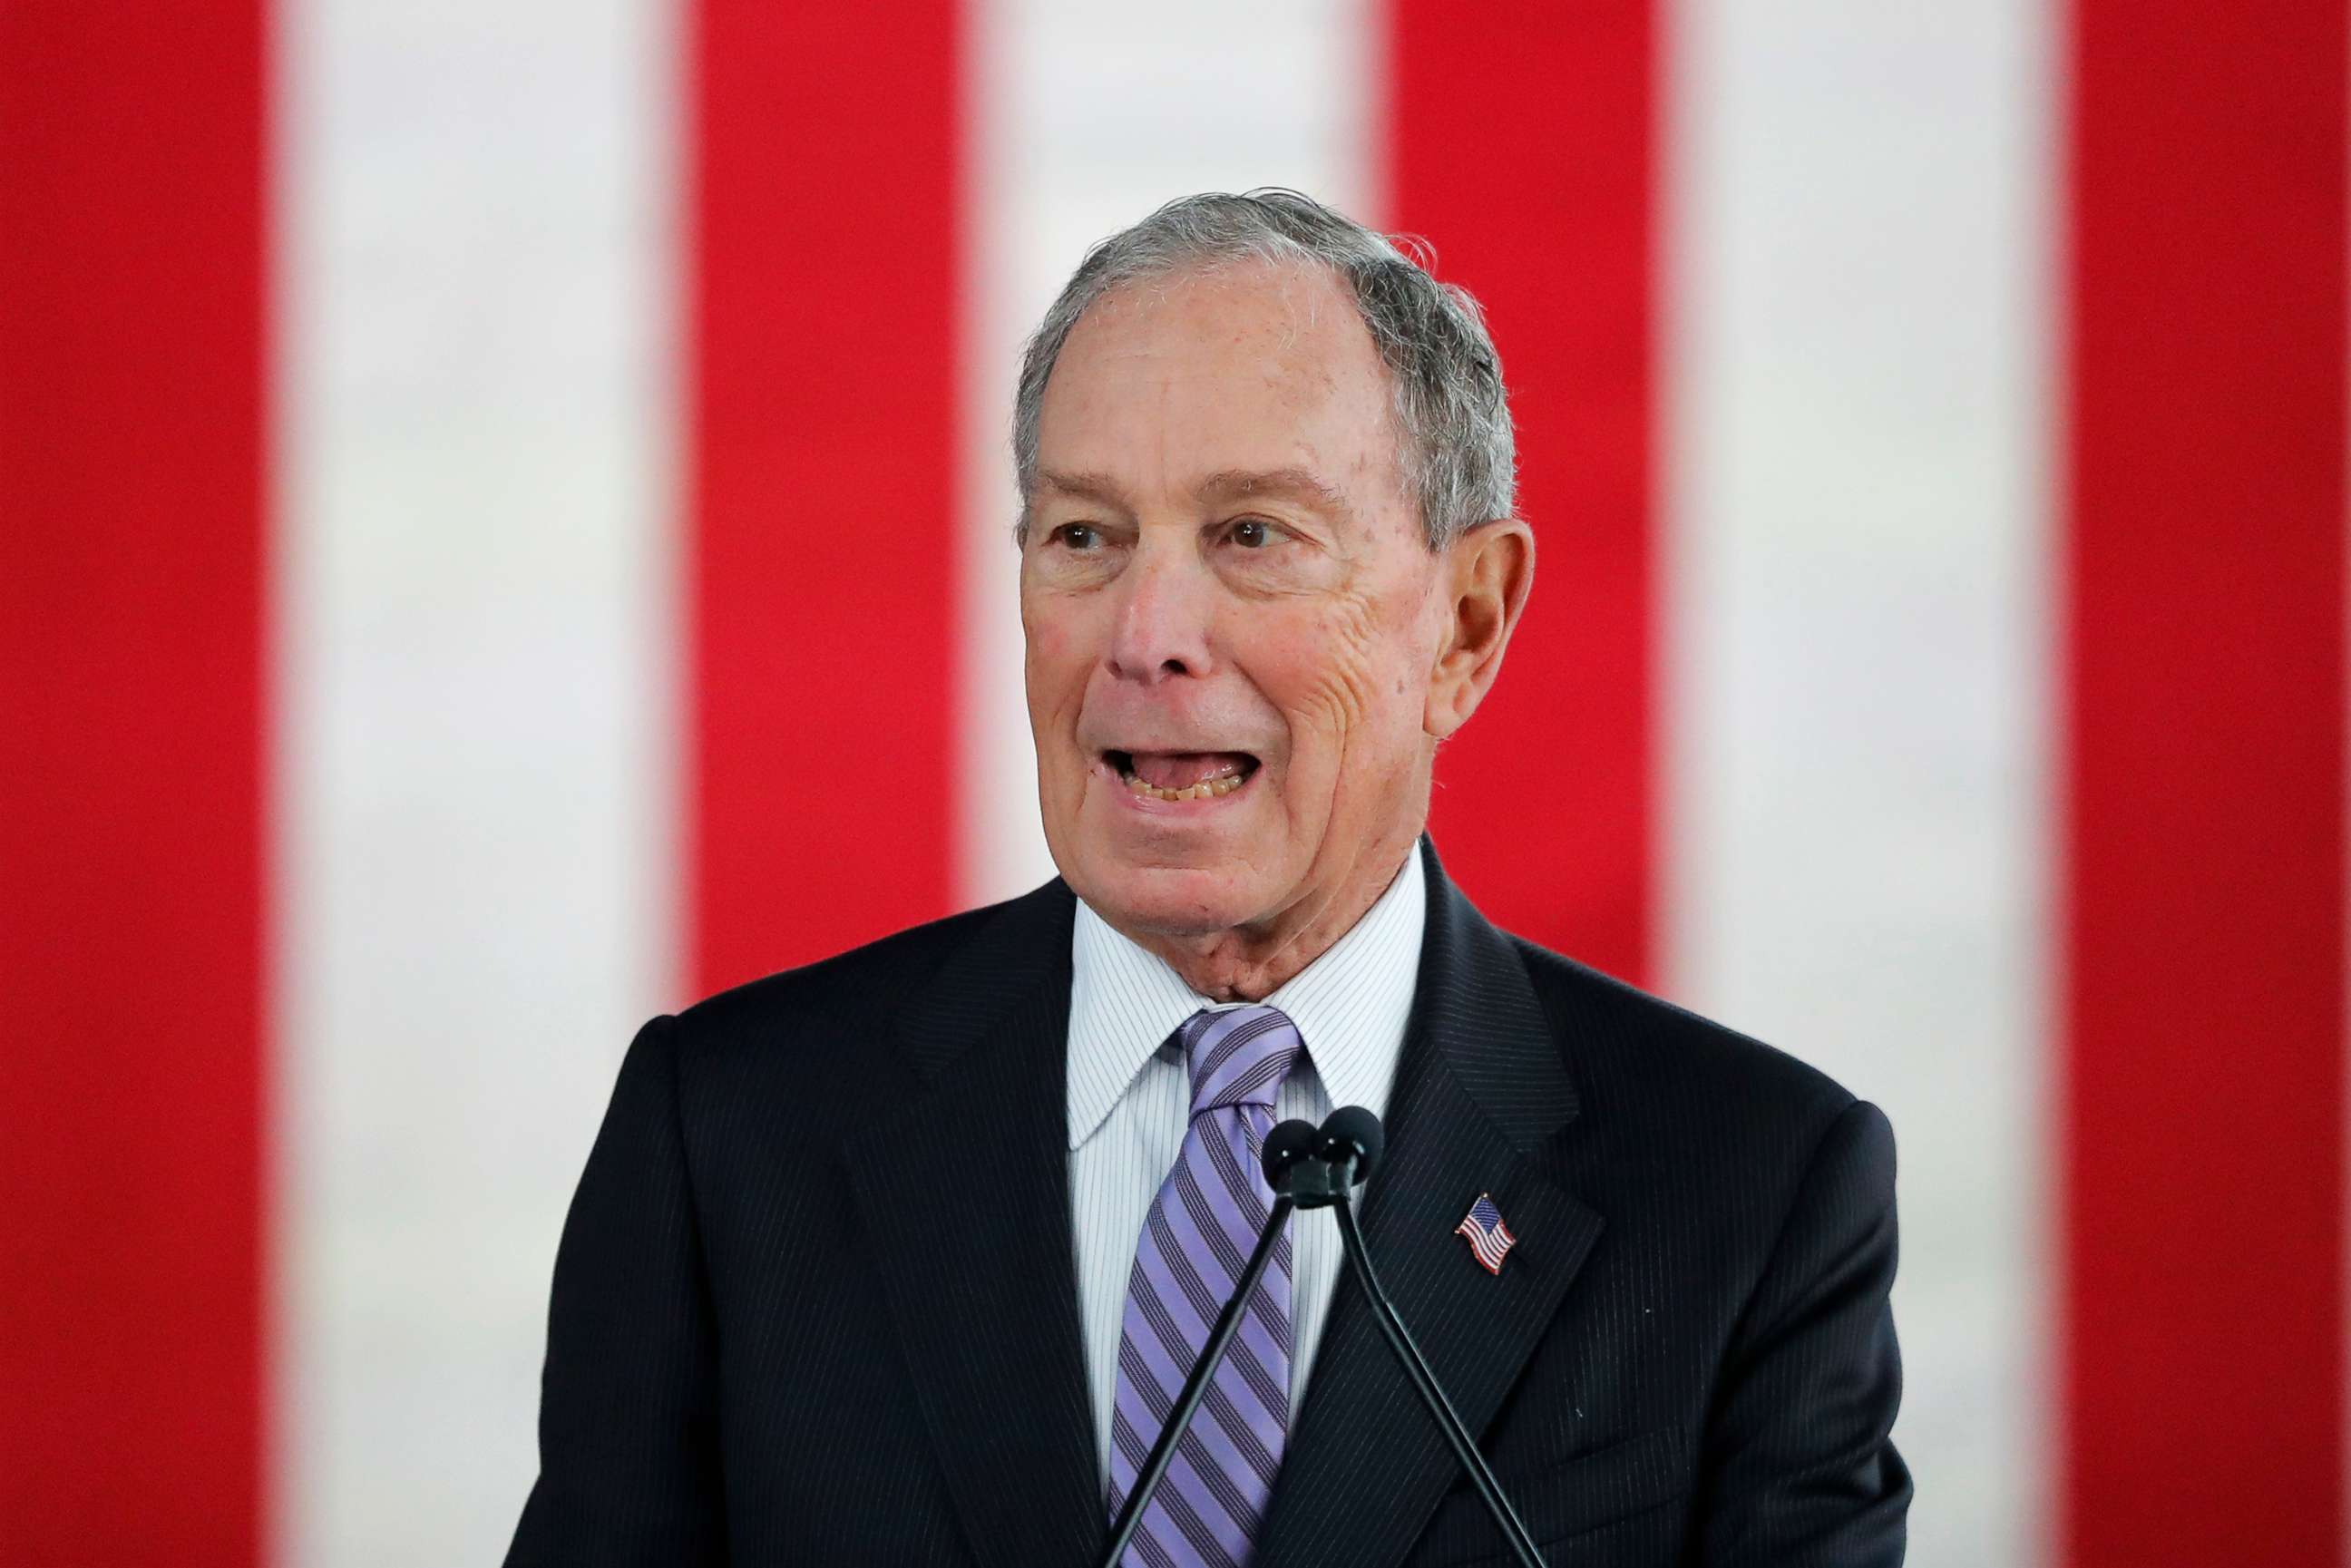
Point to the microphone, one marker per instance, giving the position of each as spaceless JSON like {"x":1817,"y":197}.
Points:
{"x":1321,"y":1163}
{"x":1289,"y":1150}
{"x":1290,"y":1159}
{"x":1351,"y":1140}
{"x":1349,"y":1144}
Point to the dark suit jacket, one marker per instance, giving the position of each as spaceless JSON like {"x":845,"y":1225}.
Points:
{"x":815,"y":1304}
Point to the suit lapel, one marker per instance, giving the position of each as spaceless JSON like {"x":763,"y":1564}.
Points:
{"x":1481,"y":1091}
{"x":965,"y":1194}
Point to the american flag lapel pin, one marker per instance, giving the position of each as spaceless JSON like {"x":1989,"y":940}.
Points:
{"x":1488,"y":1237}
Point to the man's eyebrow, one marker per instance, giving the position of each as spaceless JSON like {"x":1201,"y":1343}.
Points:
{"x":1298,"y":484}
{"x":1100,"y":488}
{"x":1225,"y":485}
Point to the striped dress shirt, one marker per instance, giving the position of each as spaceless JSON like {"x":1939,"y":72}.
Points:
{"x":1130,"y":1101}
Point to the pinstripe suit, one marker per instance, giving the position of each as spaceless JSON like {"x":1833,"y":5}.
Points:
{"x":815,"y":1301}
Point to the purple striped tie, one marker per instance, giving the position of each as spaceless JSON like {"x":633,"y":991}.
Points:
{"x":1201,"y":1228}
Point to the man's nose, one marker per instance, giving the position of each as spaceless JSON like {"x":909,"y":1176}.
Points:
{"x":1162,"y":626}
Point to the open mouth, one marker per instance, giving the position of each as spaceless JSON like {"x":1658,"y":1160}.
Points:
{"x":1181,"y":775}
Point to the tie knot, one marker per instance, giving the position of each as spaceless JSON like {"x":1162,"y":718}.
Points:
{"x":1238,"y":1056}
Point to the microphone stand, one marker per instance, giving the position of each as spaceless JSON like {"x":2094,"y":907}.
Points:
{"x":1424,"y":1381}
{"x":1195,"y":1387}
{"x":1320,"y":1180}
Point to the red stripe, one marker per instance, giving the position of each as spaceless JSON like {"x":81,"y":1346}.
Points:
{"x":2204,"y":958}
{"x":822,"y":409}
{"x":1519,"y":142}
{"x":130,"y":606}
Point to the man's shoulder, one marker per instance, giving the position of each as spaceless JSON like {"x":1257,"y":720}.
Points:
{"x":1643,"y":1062}
{"x":860,"y":980}
{"x":861,"y":994}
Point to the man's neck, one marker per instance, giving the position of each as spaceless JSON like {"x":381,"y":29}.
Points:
{"x":1250,"y":963}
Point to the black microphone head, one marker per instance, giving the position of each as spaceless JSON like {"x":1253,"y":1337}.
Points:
{"x":1352,"y":1132}
{"x":1287,"y":1144}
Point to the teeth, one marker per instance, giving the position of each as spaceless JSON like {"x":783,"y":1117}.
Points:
{"x":1205,"y":789}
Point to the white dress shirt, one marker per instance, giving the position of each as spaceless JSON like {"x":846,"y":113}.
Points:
{"x":1130,"y":1101}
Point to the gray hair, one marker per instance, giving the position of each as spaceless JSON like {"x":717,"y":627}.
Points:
{"x":1450,"y":406}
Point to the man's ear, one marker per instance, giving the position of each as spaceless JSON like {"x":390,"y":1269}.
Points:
{"x":1486,"y":576}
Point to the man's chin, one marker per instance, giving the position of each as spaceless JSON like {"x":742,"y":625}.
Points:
{"x":1171,"y":901}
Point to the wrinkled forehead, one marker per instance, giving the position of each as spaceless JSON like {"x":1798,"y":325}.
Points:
{"x":1293,"y":296}
{"x":1239,"y":367}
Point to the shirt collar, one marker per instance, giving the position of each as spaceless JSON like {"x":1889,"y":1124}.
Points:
{"x":1350,"y":1004}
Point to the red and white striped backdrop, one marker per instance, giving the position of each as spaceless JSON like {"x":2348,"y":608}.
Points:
{"x":501,"y":532}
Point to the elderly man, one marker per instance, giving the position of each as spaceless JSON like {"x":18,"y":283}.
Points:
{"x":901,"y":1258}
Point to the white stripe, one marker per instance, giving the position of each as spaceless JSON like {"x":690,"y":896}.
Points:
{"x":1085,"y":116}
{"x":476,"y":749}
{"x":1859,"y":645}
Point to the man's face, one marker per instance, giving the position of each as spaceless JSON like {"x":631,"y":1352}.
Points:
{"x":1231,"y":612}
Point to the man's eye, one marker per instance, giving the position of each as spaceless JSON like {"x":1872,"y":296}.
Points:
{"x":1250,"y":533}
{"x":1078,"y":535}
